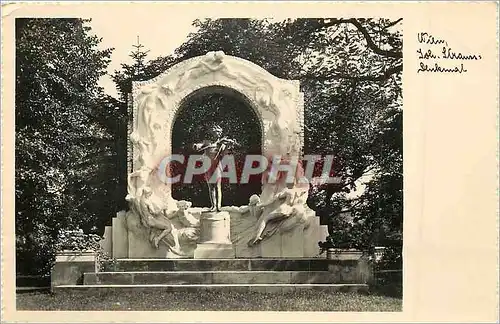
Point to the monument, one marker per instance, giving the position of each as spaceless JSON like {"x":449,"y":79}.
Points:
{"x":270,"y":244}
{"x":276,"y":223}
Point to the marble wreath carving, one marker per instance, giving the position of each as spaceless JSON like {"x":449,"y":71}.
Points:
{"x":278,"y":104}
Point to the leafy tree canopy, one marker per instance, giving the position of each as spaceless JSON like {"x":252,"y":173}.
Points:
{"x":58,"y":66}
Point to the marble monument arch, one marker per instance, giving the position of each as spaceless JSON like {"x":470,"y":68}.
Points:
{"x":276,"y":223}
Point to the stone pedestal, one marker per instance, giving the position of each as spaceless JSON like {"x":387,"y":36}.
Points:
{"x":299,"y":241}
{"x":106,"y":243}
{"x":214,"y":251}
{"x":215,"y":237}
{"x":222,"y":235}
{"x":119,"y":234}
{"x":70,"y":267}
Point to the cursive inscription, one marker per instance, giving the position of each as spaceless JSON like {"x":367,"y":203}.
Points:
{"x":426,"y":38}
{"x":435,"y":56}
{"x":437,"y":68}
{"x":449,"y":54}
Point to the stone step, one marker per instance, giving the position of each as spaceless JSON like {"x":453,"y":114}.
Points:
{"x":264,"y":288}
{"x":216,"y":277}
{"x":262,"y":264}
{"x":31,"y":289}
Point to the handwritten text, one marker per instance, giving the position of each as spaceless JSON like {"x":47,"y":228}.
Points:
{"x":436,"y":56}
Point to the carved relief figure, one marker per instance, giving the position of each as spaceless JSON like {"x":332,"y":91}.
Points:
{"x":214,"y":62}
{"x":136,"y":182}
{"x":253,"y":207}
{"x":138,"y":179}
{"x":185,"y":217}
{"x":293,"y":143}
{"x":189,"y":231}
{"x":145,"y":136}
{"x":211,"y":62}
{"x":153,"y":103}
{"x":287,"y":204}
{"x":153,"y":216}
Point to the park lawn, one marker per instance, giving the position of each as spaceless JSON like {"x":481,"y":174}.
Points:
{"x":207,"y":300}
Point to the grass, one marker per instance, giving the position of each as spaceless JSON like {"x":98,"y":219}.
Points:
{"x":207,"y":300}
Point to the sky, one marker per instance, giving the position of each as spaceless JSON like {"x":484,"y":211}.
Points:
{"x":158,"y":36}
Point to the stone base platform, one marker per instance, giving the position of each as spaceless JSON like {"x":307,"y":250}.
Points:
{"x":266,"y":275}
{"x":217,"y":277}
{"x":262,"y":288}
{"x":260,"y":264}
{"x":127,"y":238}
{"x":214,"y":251}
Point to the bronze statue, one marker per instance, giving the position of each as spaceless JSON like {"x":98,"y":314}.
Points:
{"x":215,"y":148}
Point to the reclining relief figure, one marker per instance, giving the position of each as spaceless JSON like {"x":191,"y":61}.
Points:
{"x":282,"y":213}
{"x":161,"y":225}
{"x":154,"y":217}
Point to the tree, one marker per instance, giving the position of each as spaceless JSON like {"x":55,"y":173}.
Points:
{"x":58,"y":66}
{"x":100,"y":178}
{"x":380,"y":207}
{"x":136,"y":71}
{"x":350,"y":73}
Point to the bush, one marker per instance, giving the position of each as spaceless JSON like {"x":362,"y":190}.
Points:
{"x":392,"y":259}
{"x":77,"y":240}
{"x":344,"y":233}
{"x":389,"y":273}
{"x":388,"y":283}
{"x":35,"y":254}
{"x":35,"y":250}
